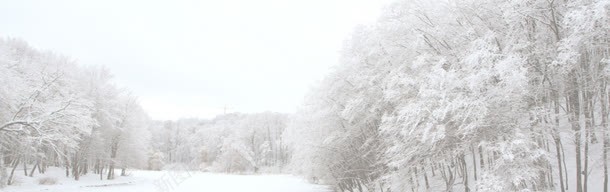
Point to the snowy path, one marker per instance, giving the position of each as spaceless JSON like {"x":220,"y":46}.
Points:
{"x":197,"y":182}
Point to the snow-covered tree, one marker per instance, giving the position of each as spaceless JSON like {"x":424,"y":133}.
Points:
{"x":227,"y":143}
{"x":54,"y":111}
{"x":466,"y":93}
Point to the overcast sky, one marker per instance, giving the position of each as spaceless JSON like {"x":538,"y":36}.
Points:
{"x":191,"y":58}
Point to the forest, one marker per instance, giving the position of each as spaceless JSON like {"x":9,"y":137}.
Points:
{"x":436,"y":95}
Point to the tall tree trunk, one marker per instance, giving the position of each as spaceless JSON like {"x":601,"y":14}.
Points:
{"x":425,"y":178}
{"x":34,"y":169}
{"x":587,"y":113}
{"x":557,"y":139}
{"x":551,"y":180}
{"x":113,"y":150}
{"x":281,"y":154}
{"x":110,"y":171}
{"x":271,"y":146}
{"x":76,"y":167}
{"x":84,"y":168}
{"x":465,"y":175}
{"x":12,"y":175}
{"x":481,"y":159}
{"x":474,"y":162}
{"x":412,"y":184}
{"x":3,"y":174}
{"x":42,"y":168}
{"x":67,"y":164}
{"x":447,"y":175}
{"x":565,"y":168}
{"x":96,"y":167}
{"x":25,"y":166}
{"x":416,"y":178}
{"x":604,"y":103}
{"x":432,"y":165}
{"x":101,"y":172}
{"x":574,"y":110}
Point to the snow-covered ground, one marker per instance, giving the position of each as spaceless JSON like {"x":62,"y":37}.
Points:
{"x":164,"y":181}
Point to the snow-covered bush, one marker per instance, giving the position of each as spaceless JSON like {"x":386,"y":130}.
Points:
{"x":233,"y":159}
{"x":155,"y":161}
{"x":47,"y":181}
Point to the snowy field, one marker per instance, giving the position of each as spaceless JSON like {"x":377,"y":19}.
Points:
{"x":151,"y":181}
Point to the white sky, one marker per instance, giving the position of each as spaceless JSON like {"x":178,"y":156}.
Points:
{"x":190,"y":58}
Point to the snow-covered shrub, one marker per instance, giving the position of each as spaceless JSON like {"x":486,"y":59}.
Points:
{"x":490,"y":183}
{"x":47,"y":181}
{"x":231,"y":161}
{"x":155,"y":161}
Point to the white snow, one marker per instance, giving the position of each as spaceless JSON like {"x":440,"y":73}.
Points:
{"x":147,"y":181}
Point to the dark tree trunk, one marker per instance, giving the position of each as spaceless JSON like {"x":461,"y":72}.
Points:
{"x":41,"y":167}
{"x":557,"y":139}
{"x":425,"y":178}
{"x":481,"y":159}
{"x":84,"y":168}
{"x":12,"y":175}
{"x":34,"y":169}
{"x":474,"y":163}
{"x":604,"y":102}
{"x":565,"y":168}
{"x":574,"y":110}
{"x":588,"y":127}
{"x":113,"y":150}
{"x":3,"y":174}
{"x":25,"y":167}
{"x":76,"y":167}
{"x":101,"y":172}
{"x":465,"y":175}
